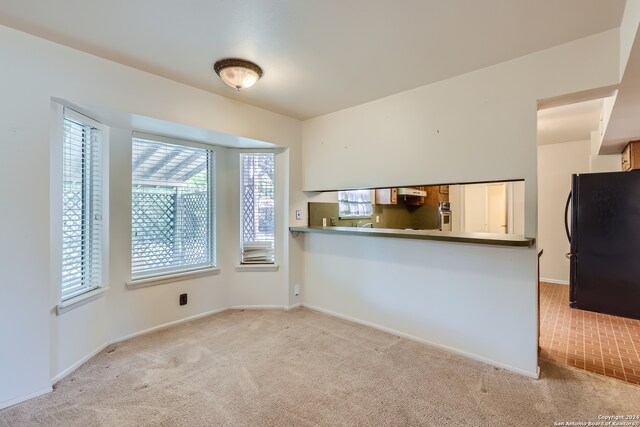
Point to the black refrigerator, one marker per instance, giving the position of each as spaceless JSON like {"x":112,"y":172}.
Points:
{"x":604,"y":233}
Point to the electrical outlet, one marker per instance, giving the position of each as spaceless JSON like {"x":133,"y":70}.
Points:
{"x":332,"y":221}
{"x":298,"y":214}
{"x":183,"y":299}
{"x":324,"y":222}
{"x":296,"y":290}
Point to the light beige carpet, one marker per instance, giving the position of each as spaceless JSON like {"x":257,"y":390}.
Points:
{"x":304,"y":368}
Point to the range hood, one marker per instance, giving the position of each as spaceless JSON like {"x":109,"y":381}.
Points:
{"x":409,"y":191}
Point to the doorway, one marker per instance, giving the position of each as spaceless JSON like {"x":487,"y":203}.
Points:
{"x":496,"y":207}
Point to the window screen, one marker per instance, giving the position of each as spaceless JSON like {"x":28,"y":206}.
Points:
{"x":171,"y":208}
{"x":257,"y":206}
{"x":81,"y":208}
{"x":355,"y":203}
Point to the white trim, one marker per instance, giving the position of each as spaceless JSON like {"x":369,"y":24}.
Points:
{"x":293,"y":307}
{"x":21,"y":399}
{"x":168,"y":325}
{"x":79,"y":363}
{"x":258,"y":307}
{"x":257,"y":267}
{"x":173,"y":277}
{"x":555,"y":281}
{"x":68,"y":112}
{"x":173,"y":141}
{"x":427,"y":342}
{"x":80,"y":300}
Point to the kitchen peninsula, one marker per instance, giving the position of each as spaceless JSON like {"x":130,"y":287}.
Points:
{"x":446,"y":236}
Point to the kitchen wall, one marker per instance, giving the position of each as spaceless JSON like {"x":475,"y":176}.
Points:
{"x":556,"y":164}
{"x":398,"y":216}
{"x":40,"y":345}
{"x":479,"y":126}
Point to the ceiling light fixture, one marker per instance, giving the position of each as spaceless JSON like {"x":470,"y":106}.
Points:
{"x":238,"y":73}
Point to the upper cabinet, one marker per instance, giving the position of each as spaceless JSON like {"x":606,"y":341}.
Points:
{"x":631,"y":156}
{"x":387,"y":196}
{"x":431,"y":196}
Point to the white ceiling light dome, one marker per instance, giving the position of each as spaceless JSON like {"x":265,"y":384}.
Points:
{"x":238,"y":73}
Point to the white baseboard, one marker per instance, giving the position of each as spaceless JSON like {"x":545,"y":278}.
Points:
{"x":468,"y":355}
{"x":79,"y":363}
{"x":294,"y":306}
{"x":555,"y":281}
{"x":88,"y":356}
{"x":258,"y":307}
{"x":11,"y":402}
{"x":168,"y":325}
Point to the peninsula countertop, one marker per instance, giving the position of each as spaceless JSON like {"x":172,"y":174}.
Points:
{"x":445,"y":236}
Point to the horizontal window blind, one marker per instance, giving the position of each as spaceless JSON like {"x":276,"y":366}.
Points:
{"x":355,"y":203}
{"x":257,"y":204}
{"x":171,"y":208}
{"x":81,"y":208}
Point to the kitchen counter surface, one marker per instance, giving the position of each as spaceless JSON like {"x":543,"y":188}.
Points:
{"x":445,"y":236}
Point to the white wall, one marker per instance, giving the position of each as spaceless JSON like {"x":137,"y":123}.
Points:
{"x":249,"y":287}
{"x":603,"y":163}
{"x":556,"y":164}
{"x":518,"y":207}
{"x":446,"y":294}
{"x":476,"y":127}
{"x":44,"y":345}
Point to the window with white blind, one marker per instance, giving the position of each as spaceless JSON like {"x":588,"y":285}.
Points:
{"x":82,"y":243}
{"x":172,"y":208}
{"x":355,"y":204}
{"x":257,"y":207}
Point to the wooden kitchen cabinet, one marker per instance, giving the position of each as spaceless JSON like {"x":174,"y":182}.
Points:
{"x":631,"y":156}
{"x":386,"y":196}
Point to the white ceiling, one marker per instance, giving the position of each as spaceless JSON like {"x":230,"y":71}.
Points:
{"x":318,"y":56}
{"x":573,"y":122}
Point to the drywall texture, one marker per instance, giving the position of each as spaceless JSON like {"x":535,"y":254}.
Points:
{"x":476,"y":127}
{"x":556,"y":164}
{"x":44,"y":345}
{"x":447,"y":294}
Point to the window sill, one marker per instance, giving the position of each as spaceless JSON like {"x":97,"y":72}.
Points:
{"x":79,"y":300}
{"x":257,"y":267}
{"x":173,"y":277}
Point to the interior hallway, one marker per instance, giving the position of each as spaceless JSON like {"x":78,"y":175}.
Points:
{"x":599,"y":343}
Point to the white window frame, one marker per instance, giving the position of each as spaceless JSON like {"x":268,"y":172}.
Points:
{"x":172,"y":275}
{"x":260,"y":266}
{"x":58,"y":113}
{"x":341,"y":215}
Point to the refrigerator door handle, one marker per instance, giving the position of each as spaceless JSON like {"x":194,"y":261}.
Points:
{"x":566,"y":219}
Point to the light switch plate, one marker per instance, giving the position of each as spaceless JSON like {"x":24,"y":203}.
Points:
{"x":298,"y":214}
{"x":324,"y":222}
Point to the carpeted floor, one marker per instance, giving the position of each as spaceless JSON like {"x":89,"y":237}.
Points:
{"x":304,"y":368}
